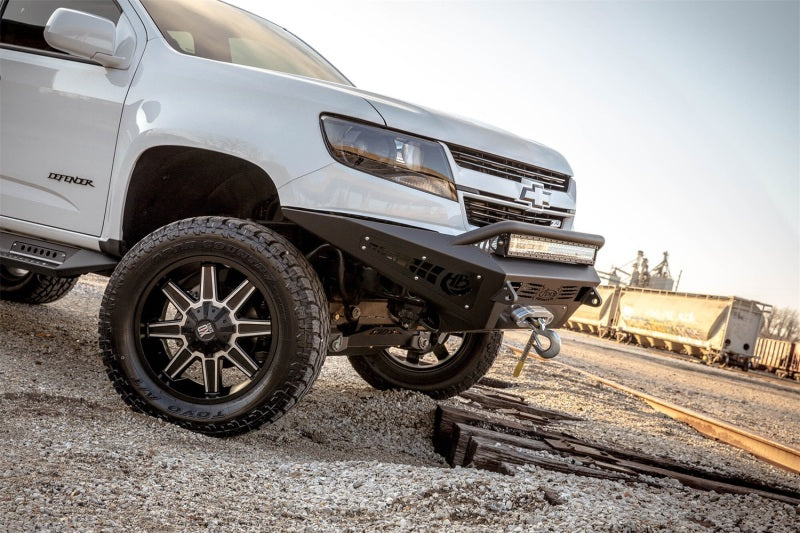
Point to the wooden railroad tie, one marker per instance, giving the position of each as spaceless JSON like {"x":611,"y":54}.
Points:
{"x":501,"y":432}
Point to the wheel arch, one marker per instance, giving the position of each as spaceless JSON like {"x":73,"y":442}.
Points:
{"x":172,"y":182}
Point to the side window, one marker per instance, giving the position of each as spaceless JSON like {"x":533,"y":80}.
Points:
{"x":23,"y":21}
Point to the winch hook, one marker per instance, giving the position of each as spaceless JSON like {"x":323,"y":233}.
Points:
{"x":536,"y":318}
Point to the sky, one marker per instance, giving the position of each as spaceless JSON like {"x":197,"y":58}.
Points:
{"x":681,"y":120}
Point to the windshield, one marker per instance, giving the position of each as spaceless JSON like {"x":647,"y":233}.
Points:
{"x":215,"y":30}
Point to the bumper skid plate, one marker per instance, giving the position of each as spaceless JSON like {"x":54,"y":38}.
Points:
{"x":471,"y":289}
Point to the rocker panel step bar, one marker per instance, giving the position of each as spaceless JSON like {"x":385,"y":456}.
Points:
{"x":49,"y":258}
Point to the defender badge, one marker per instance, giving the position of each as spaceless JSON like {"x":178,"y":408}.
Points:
{"x":70,"y":179}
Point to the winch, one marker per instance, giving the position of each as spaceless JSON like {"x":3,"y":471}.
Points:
{"x":536,"y":318}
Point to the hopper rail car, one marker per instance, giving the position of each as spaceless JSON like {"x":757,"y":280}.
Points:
{"x":718,"y":329}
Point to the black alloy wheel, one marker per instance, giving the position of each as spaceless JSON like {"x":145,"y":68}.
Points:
{"x":205,"y":330}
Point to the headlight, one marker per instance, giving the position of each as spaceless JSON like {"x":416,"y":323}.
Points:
{"x":544,"y":249}
{"x":395,"y":156}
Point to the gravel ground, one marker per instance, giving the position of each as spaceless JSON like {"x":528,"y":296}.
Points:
{"x":764,"y":407}
{"x":347,"y":458}
{"x":623,"y":420}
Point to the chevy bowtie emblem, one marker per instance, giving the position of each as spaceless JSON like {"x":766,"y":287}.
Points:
{"x":536,"y":195}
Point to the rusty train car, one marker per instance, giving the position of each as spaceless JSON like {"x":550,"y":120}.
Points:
{"x":779,"y":357}
{"x":717,"y":329}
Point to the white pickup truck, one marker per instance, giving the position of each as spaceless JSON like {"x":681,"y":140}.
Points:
{"x":256,"y":212}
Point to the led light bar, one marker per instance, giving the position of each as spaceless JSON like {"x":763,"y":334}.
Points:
{"x":544,"y":249}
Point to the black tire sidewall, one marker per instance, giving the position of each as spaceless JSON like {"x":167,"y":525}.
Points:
{"x":34,"y":288}
{"x":14,"y":285}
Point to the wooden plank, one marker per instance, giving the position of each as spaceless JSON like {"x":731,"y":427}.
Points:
{"x":494,"y":392}
{"x":493,"y":400}
{"x":482,"y":451}
{"x":501,"y":467}
{"x":447,"y":416}
{"x":702,"y":483}
{"x":657,"y":466}
{"x":463,"y":432}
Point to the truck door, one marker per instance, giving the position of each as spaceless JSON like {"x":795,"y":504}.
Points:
{"x":59,"y":119}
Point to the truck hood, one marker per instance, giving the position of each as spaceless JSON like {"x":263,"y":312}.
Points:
{"x":465,"y":132}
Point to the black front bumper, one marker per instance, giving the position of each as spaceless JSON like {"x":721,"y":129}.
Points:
{"x":470,"y":288}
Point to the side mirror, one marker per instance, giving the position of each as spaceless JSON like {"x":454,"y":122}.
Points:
{"x":91,"y":37}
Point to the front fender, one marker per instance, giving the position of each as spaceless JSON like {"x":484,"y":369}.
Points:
{"x":267,"y":118}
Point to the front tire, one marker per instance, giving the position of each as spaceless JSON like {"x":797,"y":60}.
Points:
{"x":449,"y":368}
{"x":18,"y":285}
{"x":217,"y":325}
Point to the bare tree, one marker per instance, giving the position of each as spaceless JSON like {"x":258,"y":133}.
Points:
{"x":782,"y":323}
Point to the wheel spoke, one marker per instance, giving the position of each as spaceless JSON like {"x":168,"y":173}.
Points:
{"x":211,"y":375}
{"x":208,"y":283}
{"x":412,"y":357}
{"x":441,"y":352}
{"x":239,"y":295}
{"x":242,"y":361}
{"x":170,"y":329}
{"x":180,"y":363}
{"x":178,"y":298}
{"x":253,"y":328}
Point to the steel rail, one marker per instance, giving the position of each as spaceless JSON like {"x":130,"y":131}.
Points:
{"x":773,"y":452}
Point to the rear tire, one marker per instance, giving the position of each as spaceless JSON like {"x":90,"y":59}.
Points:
{"x":440,"y":377}
{"x":18,"y":285}
{"x":217,"y":325}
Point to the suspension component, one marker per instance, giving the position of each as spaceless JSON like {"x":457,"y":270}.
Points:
{"x":536,"y":318}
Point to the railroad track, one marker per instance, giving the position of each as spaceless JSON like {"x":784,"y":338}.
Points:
{"x":773,"y":452}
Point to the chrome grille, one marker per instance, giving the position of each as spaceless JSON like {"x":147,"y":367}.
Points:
{"x":482,"y":213}
{"x":508,"y":168}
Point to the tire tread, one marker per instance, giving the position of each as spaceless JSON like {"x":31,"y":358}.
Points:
{"x":40,"y":289}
